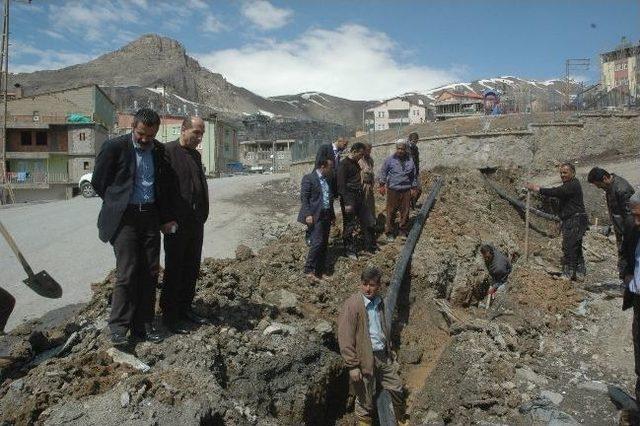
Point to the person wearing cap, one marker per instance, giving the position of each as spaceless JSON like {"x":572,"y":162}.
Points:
{"x":398,"y":179}
{"x":617,"y":193}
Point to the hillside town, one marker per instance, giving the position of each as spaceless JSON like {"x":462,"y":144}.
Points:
{"x":179,"y":249}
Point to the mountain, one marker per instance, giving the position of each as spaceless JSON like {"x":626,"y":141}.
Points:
{"x":139,"y":70}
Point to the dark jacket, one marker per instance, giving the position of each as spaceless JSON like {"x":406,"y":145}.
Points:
{"x":190,"y":198}
{"x":618,"y":204}
{"x":569,"y":195}
{"x":113,"y":177}
{"x":349,"y":182}
{"x":499,"y":268}
{"x":630,"y":242}
{"x":415,"y":154}
{"x":311,"y":198}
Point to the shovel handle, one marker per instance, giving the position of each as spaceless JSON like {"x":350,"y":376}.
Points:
{"x":16,"y":250}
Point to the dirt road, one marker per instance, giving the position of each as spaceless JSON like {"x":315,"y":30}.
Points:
{"x":61,"y":237}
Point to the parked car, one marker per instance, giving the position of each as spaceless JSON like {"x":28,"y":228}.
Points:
{"x":85,"y":186}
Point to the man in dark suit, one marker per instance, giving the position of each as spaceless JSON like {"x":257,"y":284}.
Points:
{"x":332,"y":151}
{"x":316,"y":211}
{"x":183,"y":249}
{"x":133,"y":178}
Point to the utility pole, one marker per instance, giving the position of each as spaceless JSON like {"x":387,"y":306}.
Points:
{"x":573,"y":65}
{"x":4,"y":66}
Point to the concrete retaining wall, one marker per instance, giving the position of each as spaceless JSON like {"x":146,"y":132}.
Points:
{"x":541,"y":146}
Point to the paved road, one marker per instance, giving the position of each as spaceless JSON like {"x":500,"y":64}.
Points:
{"x":61,"y":237}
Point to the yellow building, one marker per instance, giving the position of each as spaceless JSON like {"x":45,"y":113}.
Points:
{"x":620,"y":73}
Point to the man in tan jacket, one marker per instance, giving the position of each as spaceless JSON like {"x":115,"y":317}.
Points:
{"x":366,"y":348}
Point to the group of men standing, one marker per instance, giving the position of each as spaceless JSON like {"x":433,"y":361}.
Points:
{"x":352,"y":179}
{"x":149,"y":188}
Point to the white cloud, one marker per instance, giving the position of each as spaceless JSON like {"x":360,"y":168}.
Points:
{"x":197,"y":4}
{"x":213,"y":24}
{"x":43,"y":59}
{"x":53,"y":34}
{"x":265,"y":15}
{"x":351,"y":61}
{"x":96,"y":21}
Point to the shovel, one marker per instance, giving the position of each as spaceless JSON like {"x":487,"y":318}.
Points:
{"x":41,"y":283}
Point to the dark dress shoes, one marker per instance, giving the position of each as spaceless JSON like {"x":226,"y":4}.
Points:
{"x":195,"y":318}
{"x":150,"y":334}
{"x":119,"y":339}
{"x":175,"y":326}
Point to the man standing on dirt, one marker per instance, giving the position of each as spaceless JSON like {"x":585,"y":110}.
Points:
{"x":349,"y":184}
{"x":134,"y":180}
{"x":366,"y":348}
{"x":316,"y":211}
{"x":398,"y":179}
{"x":574,"y":220}
{"x":183,"y":248}
{"x":617,"y":193}
{"x":412,"y":146}
{"x":368,"y":176}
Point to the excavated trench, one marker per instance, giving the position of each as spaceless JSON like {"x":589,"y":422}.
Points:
{"x":270,"y":354}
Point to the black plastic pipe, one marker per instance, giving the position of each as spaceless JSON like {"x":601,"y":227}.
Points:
{"x":386,"y":415}
{"x":503,"y":194}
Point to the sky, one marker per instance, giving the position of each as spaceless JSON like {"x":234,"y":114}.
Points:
{"x":353,"y":49}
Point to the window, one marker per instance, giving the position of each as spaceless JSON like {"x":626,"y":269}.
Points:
{"x":82,"y":136}
{"x":380,"y":114}
{"x":176,"y":130}
{"x":41,"y":138}
{"x":85,"y":165}
{"x":25,"y":138}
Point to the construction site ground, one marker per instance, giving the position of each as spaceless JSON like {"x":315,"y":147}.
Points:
{"x":543,"y":353}
{"x":61,"y":237}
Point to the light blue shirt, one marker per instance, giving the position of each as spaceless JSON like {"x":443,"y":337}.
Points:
{"x":326,"y":201}
{"x":634,"y":284}
{"x":375,"y":325}
{"x":143,"y":182}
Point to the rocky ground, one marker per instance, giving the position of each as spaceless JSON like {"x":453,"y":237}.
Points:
{"x":543,"y":352}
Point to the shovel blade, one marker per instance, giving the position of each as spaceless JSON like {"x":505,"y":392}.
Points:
{"x":44,"y":285}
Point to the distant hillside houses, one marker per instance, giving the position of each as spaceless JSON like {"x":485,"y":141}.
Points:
{"x":398,"y":112}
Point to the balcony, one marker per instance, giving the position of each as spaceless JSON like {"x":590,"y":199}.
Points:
{"x":36,"y":180}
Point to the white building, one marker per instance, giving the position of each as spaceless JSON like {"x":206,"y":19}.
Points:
{"x":398,"y":112}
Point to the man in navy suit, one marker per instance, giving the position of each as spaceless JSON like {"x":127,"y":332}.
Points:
{"x":134,"y":180}
{"x":316,"y":211}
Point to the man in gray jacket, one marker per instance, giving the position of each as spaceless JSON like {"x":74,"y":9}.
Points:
{"x":617,"y":193}
{"x":399,"y":180}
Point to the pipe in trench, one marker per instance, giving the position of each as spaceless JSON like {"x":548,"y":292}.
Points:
{"x":503,"y":194}
{"x":386,"y":415}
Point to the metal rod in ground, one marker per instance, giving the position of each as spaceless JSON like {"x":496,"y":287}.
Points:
{"x":386,"y":414}
{"x":526,"y":230}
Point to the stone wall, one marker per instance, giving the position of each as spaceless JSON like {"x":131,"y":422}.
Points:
{"x":540,"y":146}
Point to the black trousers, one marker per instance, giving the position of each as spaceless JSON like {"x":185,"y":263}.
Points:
{"x":359,"y":214}
{"x":137,"y":249}
{"x":635,"y":332}
{"x":573,"y":230}
{"x":7,"y":302}
{"x":183,"y":251}
{"x":319,"y":234}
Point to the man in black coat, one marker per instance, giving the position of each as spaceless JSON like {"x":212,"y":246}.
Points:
{"x":412,"y":145}
{"x":617,"y":193}
{"x":349,"y":183}
{"x":316,"y":211}
{"x":183,"y":248}
{"x":574,"y":220}
{"x":133,"y":178}
{"x":332,"y":151}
